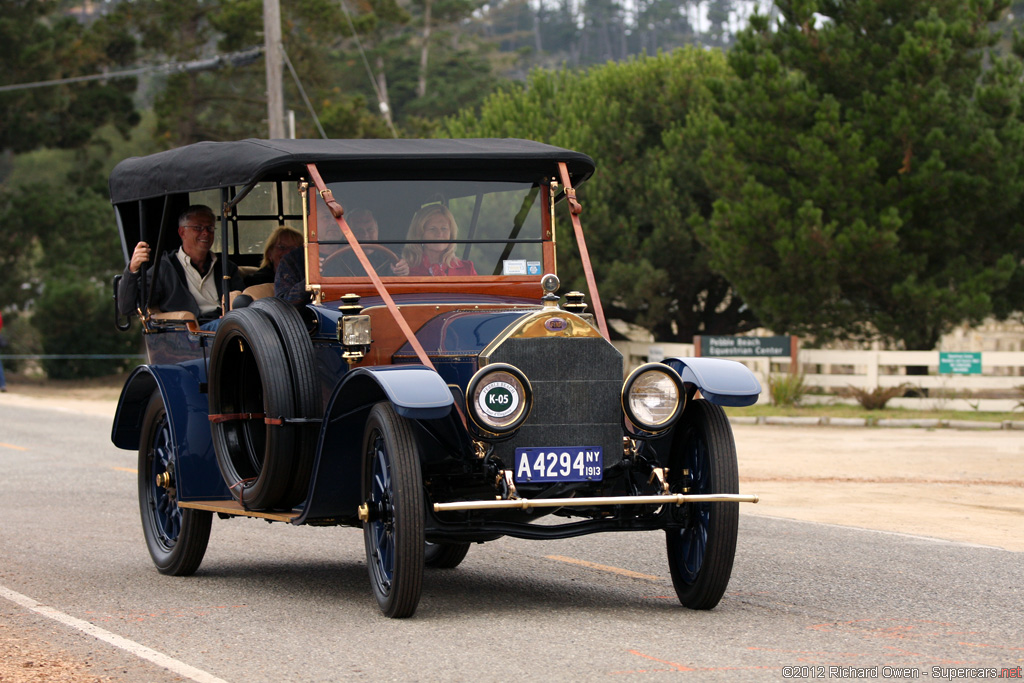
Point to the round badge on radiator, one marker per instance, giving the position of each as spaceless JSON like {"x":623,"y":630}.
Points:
{"x":499,"y":399}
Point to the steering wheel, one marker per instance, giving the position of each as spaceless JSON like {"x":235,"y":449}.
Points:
{"x":337,"y":259}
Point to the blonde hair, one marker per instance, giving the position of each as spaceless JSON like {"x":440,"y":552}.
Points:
{"x":413,"y":252}
{"x":275,"y":237}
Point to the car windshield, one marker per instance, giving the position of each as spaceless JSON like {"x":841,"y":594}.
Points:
{"x":437,"y":227}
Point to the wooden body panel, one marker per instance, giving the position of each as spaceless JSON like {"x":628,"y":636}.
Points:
{"x":233,"y":507}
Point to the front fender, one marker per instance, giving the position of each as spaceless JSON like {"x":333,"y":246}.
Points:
{"x":720,"y":381}
{"x":180,"y":386}
{"x":416,"y":392}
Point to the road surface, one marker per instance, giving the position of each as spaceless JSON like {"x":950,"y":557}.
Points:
{"x":273,"y":602}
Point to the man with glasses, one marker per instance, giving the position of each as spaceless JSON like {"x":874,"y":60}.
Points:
{"x":189,"y":279}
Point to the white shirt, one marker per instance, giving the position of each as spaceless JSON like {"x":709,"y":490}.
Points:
{"x":202,"y":287}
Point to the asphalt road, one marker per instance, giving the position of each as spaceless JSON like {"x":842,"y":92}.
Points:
{"x":277,"y":603}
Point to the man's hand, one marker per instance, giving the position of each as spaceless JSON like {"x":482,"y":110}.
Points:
{"x":400,"y":267}
{"x":139,"y":256}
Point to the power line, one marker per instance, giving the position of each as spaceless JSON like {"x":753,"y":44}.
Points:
{"x":302,"y":91}
{"x":233,"y":59}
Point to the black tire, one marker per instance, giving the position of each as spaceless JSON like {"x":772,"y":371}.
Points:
{"x":445,"y":555}
{"x":702,"y":545}
{"x":305,"y":389}
{"x":393,"y":493}
{"x":249,"y":376}
{"x":176,"y":537}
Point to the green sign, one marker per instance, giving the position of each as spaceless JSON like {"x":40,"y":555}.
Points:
{"x":960,"y":363}
{"x":744,"y":346}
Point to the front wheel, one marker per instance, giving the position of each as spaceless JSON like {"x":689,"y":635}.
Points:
{"x":702,"y":541}
{"x":394,"y":507}
{"x":176,"y":537}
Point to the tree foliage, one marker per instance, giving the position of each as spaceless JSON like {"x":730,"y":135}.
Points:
{"x":869,"y":162}
{"x":641,"y":121}
{"x":64,"y":259}
{"x":231,"y":103}
{"x":38,"y":43}
{"x":590,"y":32}
{"x":331,"y":46}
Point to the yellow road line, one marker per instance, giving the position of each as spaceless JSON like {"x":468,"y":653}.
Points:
{"x":604,"y":568}
{"x":8,"y":445}
{"x":130,"y":470}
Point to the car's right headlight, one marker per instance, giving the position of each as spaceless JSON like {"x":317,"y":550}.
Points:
{"x":653,"y":397}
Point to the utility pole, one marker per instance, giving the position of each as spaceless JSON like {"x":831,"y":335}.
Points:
{"x":272,"y":55}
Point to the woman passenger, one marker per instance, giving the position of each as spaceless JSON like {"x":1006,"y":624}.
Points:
{"x":280,"y":242}
{"x":434,"y":222}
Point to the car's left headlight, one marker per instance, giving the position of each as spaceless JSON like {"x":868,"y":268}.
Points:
{"x":499,"y":398}
{"x":653,"y":397}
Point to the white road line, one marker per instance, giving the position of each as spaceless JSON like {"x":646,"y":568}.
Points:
{"x":130,"y":646}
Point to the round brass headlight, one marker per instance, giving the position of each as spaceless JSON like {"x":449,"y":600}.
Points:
{"x":499,"y":398}
{"x":653,"y":397}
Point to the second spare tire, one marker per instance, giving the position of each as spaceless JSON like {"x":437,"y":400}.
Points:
{"x":251,"y":403}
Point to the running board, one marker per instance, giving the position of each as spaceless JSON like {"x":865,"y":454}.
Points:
{"x":526,"y":504}
{"x":233,"y":507}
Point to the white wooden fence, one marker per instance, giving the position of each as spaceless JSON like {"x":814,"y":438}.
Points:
{"x":1002,"y":375}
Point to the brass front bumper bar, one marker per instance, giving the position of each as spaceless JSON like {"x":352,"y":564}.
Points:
{"x":526,"y":504}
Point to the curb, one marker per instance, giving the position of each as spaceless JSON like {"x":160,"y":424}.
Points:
{"x":847,"y":421}
{"x":921,"y":423}
{"x":773,"y":420}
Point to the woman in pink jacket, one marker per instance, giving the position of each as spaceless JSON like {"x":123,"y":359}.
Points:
{"x":434,"y":222}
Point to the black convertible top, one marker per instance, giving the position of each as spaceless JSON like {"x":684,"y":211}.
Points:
{"x":211,"y":165}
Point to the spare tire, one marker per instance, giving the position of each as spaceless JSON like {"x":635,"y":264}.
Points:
{"x":305,"y":382}
{"x":251,"y":401}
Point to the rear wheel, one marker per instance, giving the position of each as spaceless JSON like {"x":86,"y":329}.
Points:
{"x":445,"y":555}
{"x":176,"y":537}
{"x":393,"y":495}
{"x":702,"y":545}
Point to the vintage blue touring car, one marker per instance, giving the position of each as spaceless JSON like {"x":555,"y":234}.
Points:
{"x":437,"y":391}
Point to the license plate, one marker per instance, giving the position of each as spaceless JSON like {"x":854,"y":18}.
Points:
{"x":570,"y":463}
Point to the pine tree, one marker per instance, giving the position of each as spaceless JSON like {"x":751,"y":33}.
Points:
{"x":869,"y":165}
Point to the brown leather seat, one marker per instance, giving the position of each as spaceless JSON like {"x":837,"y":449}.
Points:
{"x":260,"y":291}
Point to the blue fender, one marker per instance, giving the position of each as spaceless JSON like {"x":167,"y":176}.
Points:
{"x":415,"y":391}
{"x":720,"y":381}
{"x":180,"y":386}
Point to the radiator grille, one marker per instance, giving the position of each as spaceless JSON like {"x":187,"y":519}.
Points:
{"x":576,"y":388}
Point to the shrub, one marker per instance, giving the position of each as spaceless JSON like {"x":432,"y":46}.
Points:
{"x":22,"y":339}
{"x":77,"y":317}
{"x":877,"y":397}
{"x":787,"y":390}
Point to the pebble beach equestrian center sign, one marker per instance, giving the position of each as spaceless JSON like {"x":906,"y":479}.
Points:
{"x":743,"y":346}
